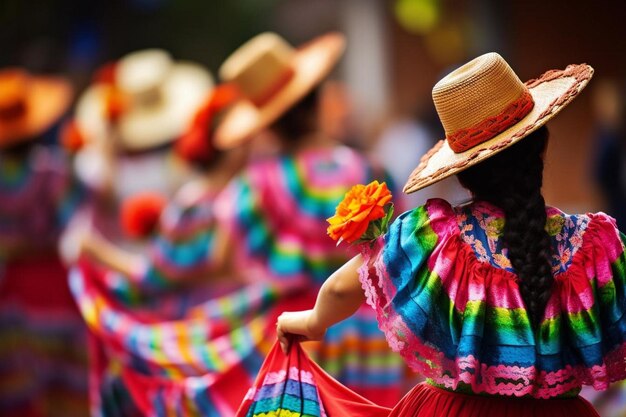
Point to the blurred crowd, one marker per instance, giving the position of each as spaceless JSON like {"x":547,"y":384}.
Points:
{"x":154,"y":223}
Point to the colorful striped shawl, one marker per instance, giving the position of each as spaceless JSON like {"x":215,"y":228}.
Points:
{"x":461,"y":321}
{"x":196,"y":361}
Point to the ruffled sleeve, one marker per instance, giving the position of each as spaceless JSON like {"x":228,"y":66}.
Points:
{"x":592,"y":301}
{"x":397,"y":282}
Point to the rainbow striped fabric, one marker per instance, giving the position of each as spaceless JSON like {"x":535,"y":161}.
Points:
{"x":38,"y":196}
{"x":179,"y":251}
{"x":43,"y":357}
{"x":277,"y":213}
{"x":166,"y":342}
{"x":277,"y":210}
{"x":198,"y":360}
{"x":450,"y":304}
{"x":294,"y":386}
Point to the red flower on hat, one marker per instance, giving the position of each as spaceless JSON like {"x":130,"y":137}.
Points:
{"x":115,"y":101}
{"x":195,"y":143}
{"x":105,"y":74}
{"x":140,"y":213}
{"x":71,"y":137}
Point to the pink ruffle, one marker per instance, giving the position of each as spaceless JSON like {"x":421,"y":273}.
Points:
{"x":465,"y":279}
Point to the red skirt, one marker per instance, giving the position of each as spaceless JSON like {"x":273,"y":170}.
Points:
{"x":424,"y":400}
{"x":293,"y":384}
{"x":43,"y":352}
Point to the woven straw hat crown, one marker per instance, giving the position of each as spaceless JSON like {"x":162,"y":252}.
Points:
{"x":482,"y":88}
{"x":259,"y":67}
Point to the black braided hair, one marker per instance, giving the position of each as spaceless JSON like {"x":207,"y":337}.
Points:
{"x":511,"y":180}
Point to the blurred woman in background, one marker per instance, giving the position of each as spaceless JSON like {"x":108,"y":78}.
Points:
{"x":275,"y":210}
{"x":153,"y":317}
{"x":43,"y":359}
{"x":129,"y":117}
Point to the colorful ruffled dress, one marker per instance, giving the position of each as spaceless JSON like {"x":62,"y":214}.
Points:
{"x":448,"y":301}
{"x":165,"y":339}
{"x":276,"y":211}
{"x":164,"y":345}
{"x":43,"y":344}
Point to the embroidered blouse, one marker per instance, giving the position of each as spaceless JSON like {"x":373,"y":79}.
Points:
{"x":448,"y":301}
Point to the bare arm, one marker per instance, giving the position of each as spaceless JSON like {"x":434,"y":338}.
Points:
{"x":111,"y":256}
{"x":339,"y":297}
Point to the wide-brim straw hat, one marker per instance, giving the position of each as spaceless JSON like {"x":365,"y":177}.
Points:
{"x":272,"y":77}
{"x":29,"y":104}
{"x":485,"y":108}
{"x":163,"y":95}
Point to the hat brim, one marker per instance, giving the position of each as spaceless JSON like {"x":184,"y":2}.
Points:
{"x":48,"y":98}
{"x":139,"y":129}
{"x":311,"y":64}
{"x":551,"y":93}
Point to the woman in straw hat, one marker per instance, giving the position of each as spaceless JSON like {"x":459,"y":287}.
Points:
{"x":274,"y":212}
{"x":163,"y":323}
{"x":507,"y":306}
{"x":129,"y":117}
{"x":43,"y":360}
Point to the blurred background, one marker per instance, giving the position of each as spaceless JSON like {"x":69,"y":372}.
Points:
{"x":379,"y":97}
{"x":397,"y":50}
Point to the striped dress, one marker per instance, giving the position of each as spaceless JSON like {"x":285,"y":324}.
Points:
{"x":43,"y":353}
{"x":166,"y":340}
{"x":448,"y":300}
{"x":277,"y":212}
{"x":164,"y":343}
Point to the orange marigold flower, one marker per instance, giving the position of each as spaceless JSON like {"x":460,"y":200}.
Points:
{"x":361,"y":205}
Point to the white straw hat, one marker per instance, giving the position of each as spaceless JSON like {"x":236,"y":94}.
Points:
{"x":485,"y":108}
{"x":271,"y":77}
{"x":163,"y":95}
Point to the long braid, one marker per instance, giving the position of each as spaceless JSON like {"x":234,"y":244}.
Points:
{"x":512,"y":181}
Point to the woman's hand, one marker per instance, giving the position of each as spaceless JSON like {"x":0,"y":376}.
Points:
{"x":301,"y":324}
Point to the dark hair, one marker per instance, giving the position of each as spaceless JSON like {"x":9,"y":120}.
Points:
{"x":21,"y":148}
{"x":204,"y":164}
{"x":301,"y":119}
{"x":511,"y":180}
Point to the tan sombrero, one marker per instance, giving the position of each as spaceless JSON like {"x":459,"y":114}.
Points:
{"x":30,"y":105}
{"x":271,"y":77}
{"x":162,"y":97}
{"x":485,"y":108}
